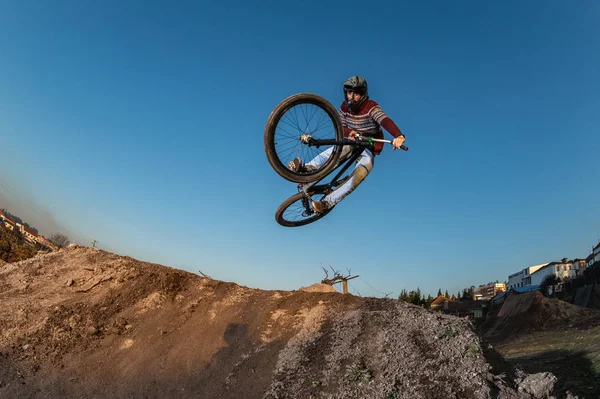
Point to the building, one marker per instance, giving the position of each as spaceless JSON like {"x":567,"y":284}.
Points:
{"x":488,"y":291}
{"x":562,"y":270}
{"x":44,"y":242}
{"x":470,"y":309}
{"x":441,"y":302}
{"x":29,"y":234}
{"x":523,"y":278}
{"x":577,"y":267}
{"x":594,"y":256}
{"x":9,"y":223}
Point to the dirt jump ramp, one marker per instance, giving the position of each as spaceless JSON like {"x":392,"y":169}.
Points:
{"x":532,"y":311}
{"x":84,"y":323}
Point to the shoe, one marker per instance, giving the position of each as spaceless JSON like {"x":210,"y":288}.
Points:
{"x":320,"y":206}
{"x":296,"y":166}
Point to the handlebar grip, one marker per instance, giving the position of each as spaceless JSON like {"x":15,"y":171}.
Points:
{"x":403,"y":147}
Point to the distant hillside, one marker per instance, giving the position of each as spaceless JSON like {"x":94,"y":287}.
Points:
{"x":19,"y":220}
{"x":13,"y":247}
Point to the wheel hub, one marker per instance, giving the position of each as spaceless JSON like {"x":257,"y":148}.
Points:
{"x":305,"y":138}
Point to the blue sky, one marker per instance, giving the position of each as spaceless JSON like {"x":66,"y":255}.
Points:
{"x":140,"y":125}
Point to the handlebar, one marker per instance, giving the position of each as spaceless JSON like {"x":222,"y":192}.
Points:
{"x":309,"y":140}
{"x":371,"y":139}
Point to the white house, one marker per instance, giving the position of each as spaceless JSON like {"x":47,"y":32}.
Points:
{"x":594,"y":256}
{"x":577,"y":268}
{"x":562,"y":270}
{"x":523,"y":278}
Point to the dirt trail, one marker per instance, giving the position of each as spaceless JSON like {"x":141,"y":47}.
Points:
{"x":87,"y":323}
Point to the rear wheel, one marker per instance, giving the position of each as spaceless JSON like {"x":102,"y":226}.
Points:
{"x":297,"y":210}
{"x":294,"y":119}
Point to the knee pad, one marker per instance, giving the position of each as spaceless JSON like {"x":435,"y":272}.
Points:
{"x":359,"y":174}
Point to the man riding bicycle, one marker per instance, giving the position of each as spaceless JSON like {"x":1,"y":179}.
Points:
{"x":360,"y":116}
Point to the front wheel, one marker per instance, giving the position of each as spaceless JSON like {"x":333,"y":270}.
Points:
{"x":290,"y":123}
{"x":297,"y":210}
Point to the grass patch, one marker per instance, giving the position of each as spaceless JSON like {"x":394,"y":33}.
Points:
{"x":572,"y":355}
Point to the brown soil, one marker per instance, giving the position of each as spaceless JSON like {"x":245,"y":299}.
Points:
{"x":86,"y":323}
{"x":532,"y":311}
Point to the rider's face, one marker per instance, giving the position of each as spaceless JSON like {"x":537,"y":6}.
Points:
{"x":352,"y":95}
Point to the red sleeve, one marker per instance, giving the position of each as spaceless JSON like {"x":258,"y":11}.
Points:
{"x":391,"y":127}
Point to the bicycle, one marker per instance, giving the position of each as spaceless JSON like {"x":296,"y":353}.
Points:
{"x":305,"y":140}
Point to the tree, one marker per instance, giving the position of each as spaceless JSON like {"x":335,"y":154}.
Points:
{"x":429,"y":300}
{"x":13,"y":247}
{"x":414,"y":297}
{"x":439,"y":294}
{"x":17,"y":233}
{"x":446,"y":294}
{"x":465,"y":295}
{"x":403,"y":295}
{"x":549,"y":280}
{"x":59,"y":240}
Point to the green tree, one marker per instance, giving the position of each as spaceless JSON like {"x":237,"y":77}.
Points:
{"x":552,"y":279}
{"x":414,"y":296}
{"x":467,"y":294}
{"x":403,"y":295}
{"x":429,"y":300}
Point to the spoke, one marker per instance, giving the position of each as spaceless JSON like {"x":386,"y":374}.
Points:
{"x":296,"y":120}
{"x":305,"y":118}
{"x":285,"y":157}
{"x":315,"y":111}
{"x":290,"y":135}
{"x":287,"y":134}
{"x":297,"y":211}
{"x":292,"y":126}
{"x":325,"y":124}
{"x":319,"y":122}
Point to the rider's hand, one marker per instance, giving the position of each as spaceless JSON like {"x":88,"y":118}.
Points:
{"x":398,"y":141}
{"x":352,"y":134}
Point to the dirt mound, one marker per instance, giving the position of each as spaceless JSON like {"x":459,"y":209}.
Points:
{"x":82,"y":322}
{"x":532,"y":311}
{"x":318,"y":288}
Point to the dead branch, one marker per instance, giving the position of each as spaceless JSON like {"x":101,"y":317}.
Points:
{"x":337,"y":276}
{"x":326,"y":274}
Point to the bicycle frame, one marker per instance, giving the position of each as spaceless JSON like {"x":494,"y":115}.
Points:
{"x":346,"y":161}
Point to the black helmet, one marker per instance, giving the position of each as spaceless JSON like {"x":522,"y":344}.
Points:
{"x":357,"y":84}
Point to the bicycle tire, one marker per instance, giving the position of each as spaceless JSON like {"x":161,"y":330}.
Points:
{"x":280,"y":212}
{"x":271,"y":126}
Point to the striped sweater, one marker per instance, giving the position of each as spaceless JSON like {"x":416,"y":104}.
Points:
{"x":368,"y":122}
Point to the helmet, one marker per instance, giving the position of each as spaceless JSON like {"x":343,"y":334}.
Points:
{"x":357,"y":84}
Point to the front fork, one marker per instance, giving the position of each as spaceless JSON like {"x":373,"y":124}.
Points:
{"x":306,"y":199}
